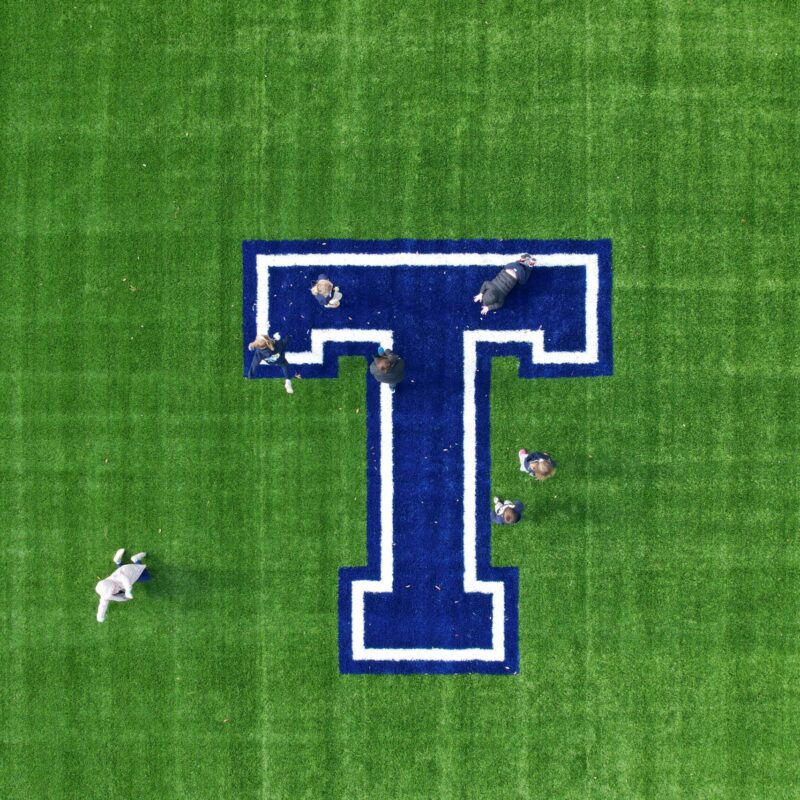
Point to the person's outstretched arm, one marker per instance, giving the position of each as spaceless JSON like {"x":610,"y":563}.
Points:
{"x":104,"y":601}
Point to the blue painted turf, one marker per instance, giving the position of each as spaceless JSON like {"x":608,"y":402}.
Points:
{"x":428,"y":309}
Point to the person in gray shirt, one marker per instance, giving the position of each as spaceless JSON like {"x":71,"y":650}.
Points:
{"x":387,"y":367}
{"x":494,"y":292}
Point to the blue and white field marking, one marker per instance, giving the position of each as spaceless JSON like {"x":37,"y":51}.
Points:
{"x":428,"y":599}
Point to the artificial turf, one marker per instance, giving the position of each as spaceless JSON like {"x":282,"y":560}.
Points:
{"x":659,"y":584}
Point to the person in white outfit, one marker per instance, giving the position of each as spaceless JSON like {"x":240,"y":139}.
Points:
{"x":118,"y":586}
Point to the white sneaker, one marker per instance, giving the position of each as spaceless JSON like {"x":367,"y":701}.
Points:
{"x":138,"y":558}
{"x":118,"y":556}
{"x":288,"y":386}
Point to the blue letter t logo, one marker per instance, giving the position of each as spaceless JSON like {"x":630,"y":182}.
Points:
{"x":428,"y":599}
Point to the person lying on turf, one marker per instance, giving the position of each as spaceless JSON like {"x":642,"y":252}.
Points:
{"x":494,"y":292}
{"x":326,"y":294}
{"x":118,"y":586}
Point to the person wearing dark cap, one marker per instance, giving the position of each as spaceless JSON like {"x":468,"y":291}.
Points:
{"x":387,"y":367}
{"x":494,"y":292}
{"x":327,"y":295}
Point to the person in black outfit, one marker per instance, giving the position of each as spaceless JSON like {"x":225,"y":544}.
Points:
{"x":387,"y":367}
{"x":494,"y":292}
{"x":271,"y":349}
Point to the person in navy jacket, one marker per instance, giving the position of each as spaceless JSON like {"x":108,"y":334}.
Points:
{"x":540,"y":465}
{"x":494,"y":292}
{"x":506,"y":512}
{"x":272,"y":350}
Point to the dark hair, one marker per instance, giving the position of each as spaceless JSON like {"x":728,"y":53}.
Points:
{"x":510,"y":515}
{"x":383,"y":363}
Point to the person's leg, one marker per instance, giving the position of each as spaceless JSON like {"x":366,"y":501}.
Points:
{"x":254,"y":363}
{"x":287,"y":380}
{"x":145,"y":576}
{"x":118,"y":556}
{"x":137,"y":559}
{"x":523,"y":456}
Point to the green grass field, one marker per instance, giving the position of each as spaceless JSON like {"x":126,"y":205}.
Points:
{"x":659,"y":574}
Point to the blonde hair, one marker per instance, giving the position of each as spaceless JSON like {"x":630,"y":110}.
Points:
{"x":261,"y":342}
{"x":543,"y":469}
{"x":323,"y":287}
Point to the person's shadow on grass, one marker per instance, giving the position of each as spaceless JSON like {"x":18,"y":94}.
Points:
{"x":191,"y":588}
